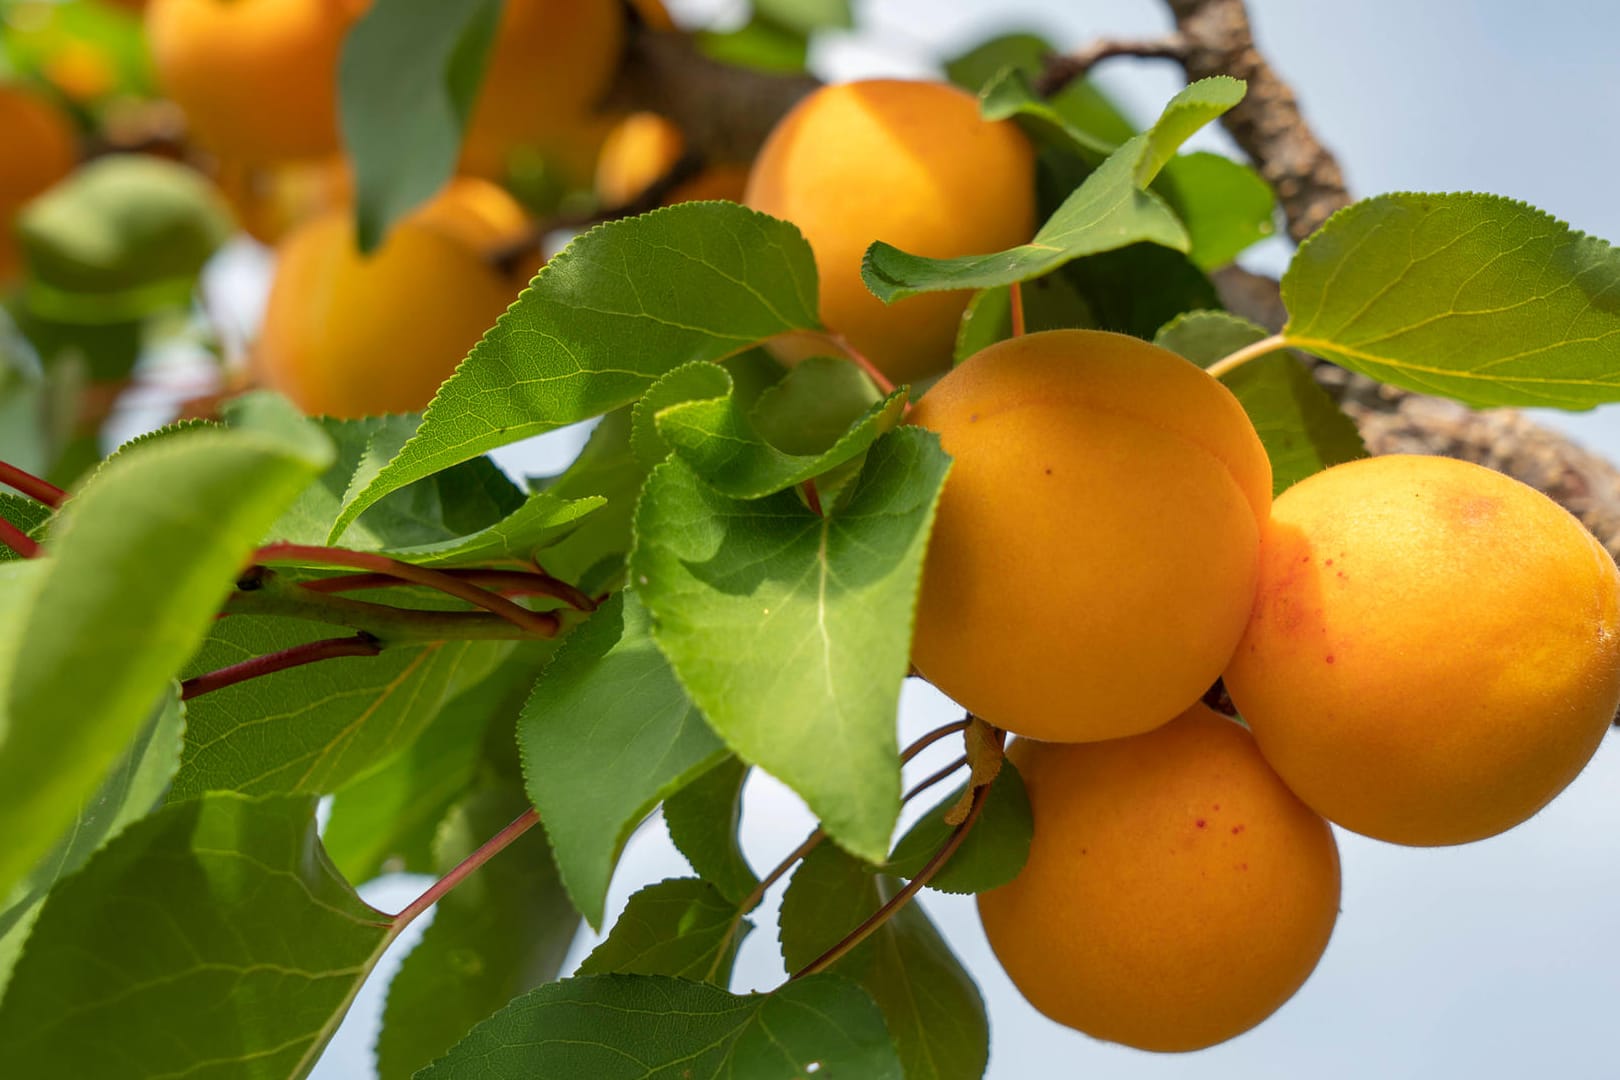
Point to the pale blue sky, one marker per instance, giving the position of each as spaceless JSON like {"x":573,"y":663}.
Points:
{"x":1497,"y":959}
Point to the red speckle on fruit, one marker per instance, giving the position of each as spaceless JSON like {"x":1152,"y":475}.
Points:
{"x":1330,"y":658}
{"x":1236,"y":829}
{"x":1243,"y":866}
{"x":1328,"y":563}
{"x":1084,"y":851}
{"x":1200,"y":823}
{"x":1048,"y":472}
{"x":1217,"y":806}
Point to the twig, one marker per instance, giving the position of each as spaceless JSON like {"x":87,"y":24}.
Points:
{"x":505,"y":582}
{"x":361,"y":644}
{"x":1015,"y":304}
{"x":539,"y":623}
{"x":33,"y":486}
{"x":464,"y":869}
{"x":934,"y":778}
{"x":1249,"y":352}
{"x":17,"y":540}
{"x":262,"y":591}
{"x":847,"y":347}
{"x":1060,"y":71}
{"x":752,"y":900}
{"x":932,"y":737}
{"x":901,"y":898}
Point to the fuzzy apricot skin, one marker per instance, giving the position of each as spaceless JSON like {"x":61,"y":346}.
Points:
{"x":1093,"y":559}
{"x":348,"y":335}
{"x":909,"y":163}
{"x":1435,"y":648}
{"x":257,"y":79}
{"x":1176,"y":892}
{"x":550,"y":65}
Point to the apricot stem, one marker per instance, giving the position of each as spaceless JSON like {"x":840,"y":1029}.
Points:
{"x":34,"y":487}
{"x":464,"y":869}
{"x":751,"y":901}
{"x":262,"y":591}
{"x":1015,"y":298}
{"x":1249,"y":352}
{"x":538,"y":623}
{"x":899,"y":899}
{"x":504,"y":582}
{"x":845,"y":346}
{"x":361,"y":644}
{"x":17,"y":540}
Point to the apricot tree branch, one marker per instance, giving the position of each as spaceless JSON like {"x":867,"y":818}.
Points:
{"x":361,"y":644}
{"x":1060,"y":71}
{"x":33,"y":486}
{"x":17,"y":540}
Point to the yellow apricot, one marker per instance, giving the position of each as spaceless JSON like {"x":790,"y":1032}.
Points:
{"x":909,"y":163}
{"x":1434,"y":651}
{"x":1176,"y":892}
{"x":1094,"y":555}
{"x":271,"y":200}
{"x":645,"y":146}
{"x":257,"y":79}
{"x":350,"y":335}
{"x":551,"y":62}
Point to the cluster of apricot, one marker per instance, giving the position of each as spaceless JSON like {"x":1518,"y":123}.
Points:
{"x":1423,"y":650}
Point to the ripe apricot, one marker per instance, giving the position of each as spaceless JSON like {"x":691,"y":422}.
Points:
{"x":1093,"y":559}
{"x":40,"y":149}
{"x":270,"y":201}
{"x":551,"y":62}
{"x":909,"y":163}
{"x":257,"y":79}
{"x":1176,"y":892}
{"x":351,"y":335}
{"x":1434,"y":651}
{"x":642,"y":149}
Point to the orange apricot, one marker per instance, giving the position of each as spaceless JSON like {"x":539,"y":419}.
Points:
{"x":271,"y":200}
{"x":642,"y":149}
{"x":1094,"y":555}
{"x":909,"y":163}
{"x":351,"y":335}
{"x":257,"y":79}
{"x":1176,"y":892}
{"x":1434,"y":652}
{"x":40,"y":149}
{"x":551,"y":62}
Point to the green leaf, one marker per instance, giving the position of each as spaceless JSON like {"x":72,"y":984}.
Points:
{"x":792,"y":632}
{"x":702,"y":819}
{"x":389,"y":819}
{"x":1022,"y":51}
{"x":698,"y":379}
{"x":681,"y":927}
{"x":1473,"y":297}
{"x":408,"y":77}
{"x":606,"y":468}
{"x":439,"y":510}
{"x":714,"y":437}
{"x":759,"y":43}
{"x":589,"y":336}
{"x":140,"y":560}
{"x":1112,"y":209}
{"x":521,"y":535}
{"x":1137,"y":289}
{"x":993,"y":851}
{"x":211,"y":940}
{"x":607,"y":734}
{"x":500,"y":933}
{"x":807,"y":16}
{"x":25,"y":513}
{"x":1012,"y":97}
{"x":1225,"y":205}
{"x":123,"y":237}
{"x":313,"y":729}
{"x":133,"y":787}
{"x":1299,"y":424}
{"x":814,"y":405}
{"x":607,"y":1027}
{"x":931,"y":1006}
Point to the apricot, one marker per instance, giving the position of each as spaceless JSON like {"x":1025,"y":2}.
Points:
{"x":642,"y":149}
{"x":909,"y":163}
{"x":350,"y":335}
{"x":550,"y":64}
{"x":271,"y":200}
{"x":1176,"y":892}
{"x":257,"y":79}
{"x":1094,"y":555}
{"x":40,"y":149}
{"x":1434,"y":651}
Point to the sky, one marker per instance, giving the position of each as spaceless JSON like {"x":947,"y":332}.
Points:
{"x":1494,"y":959}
